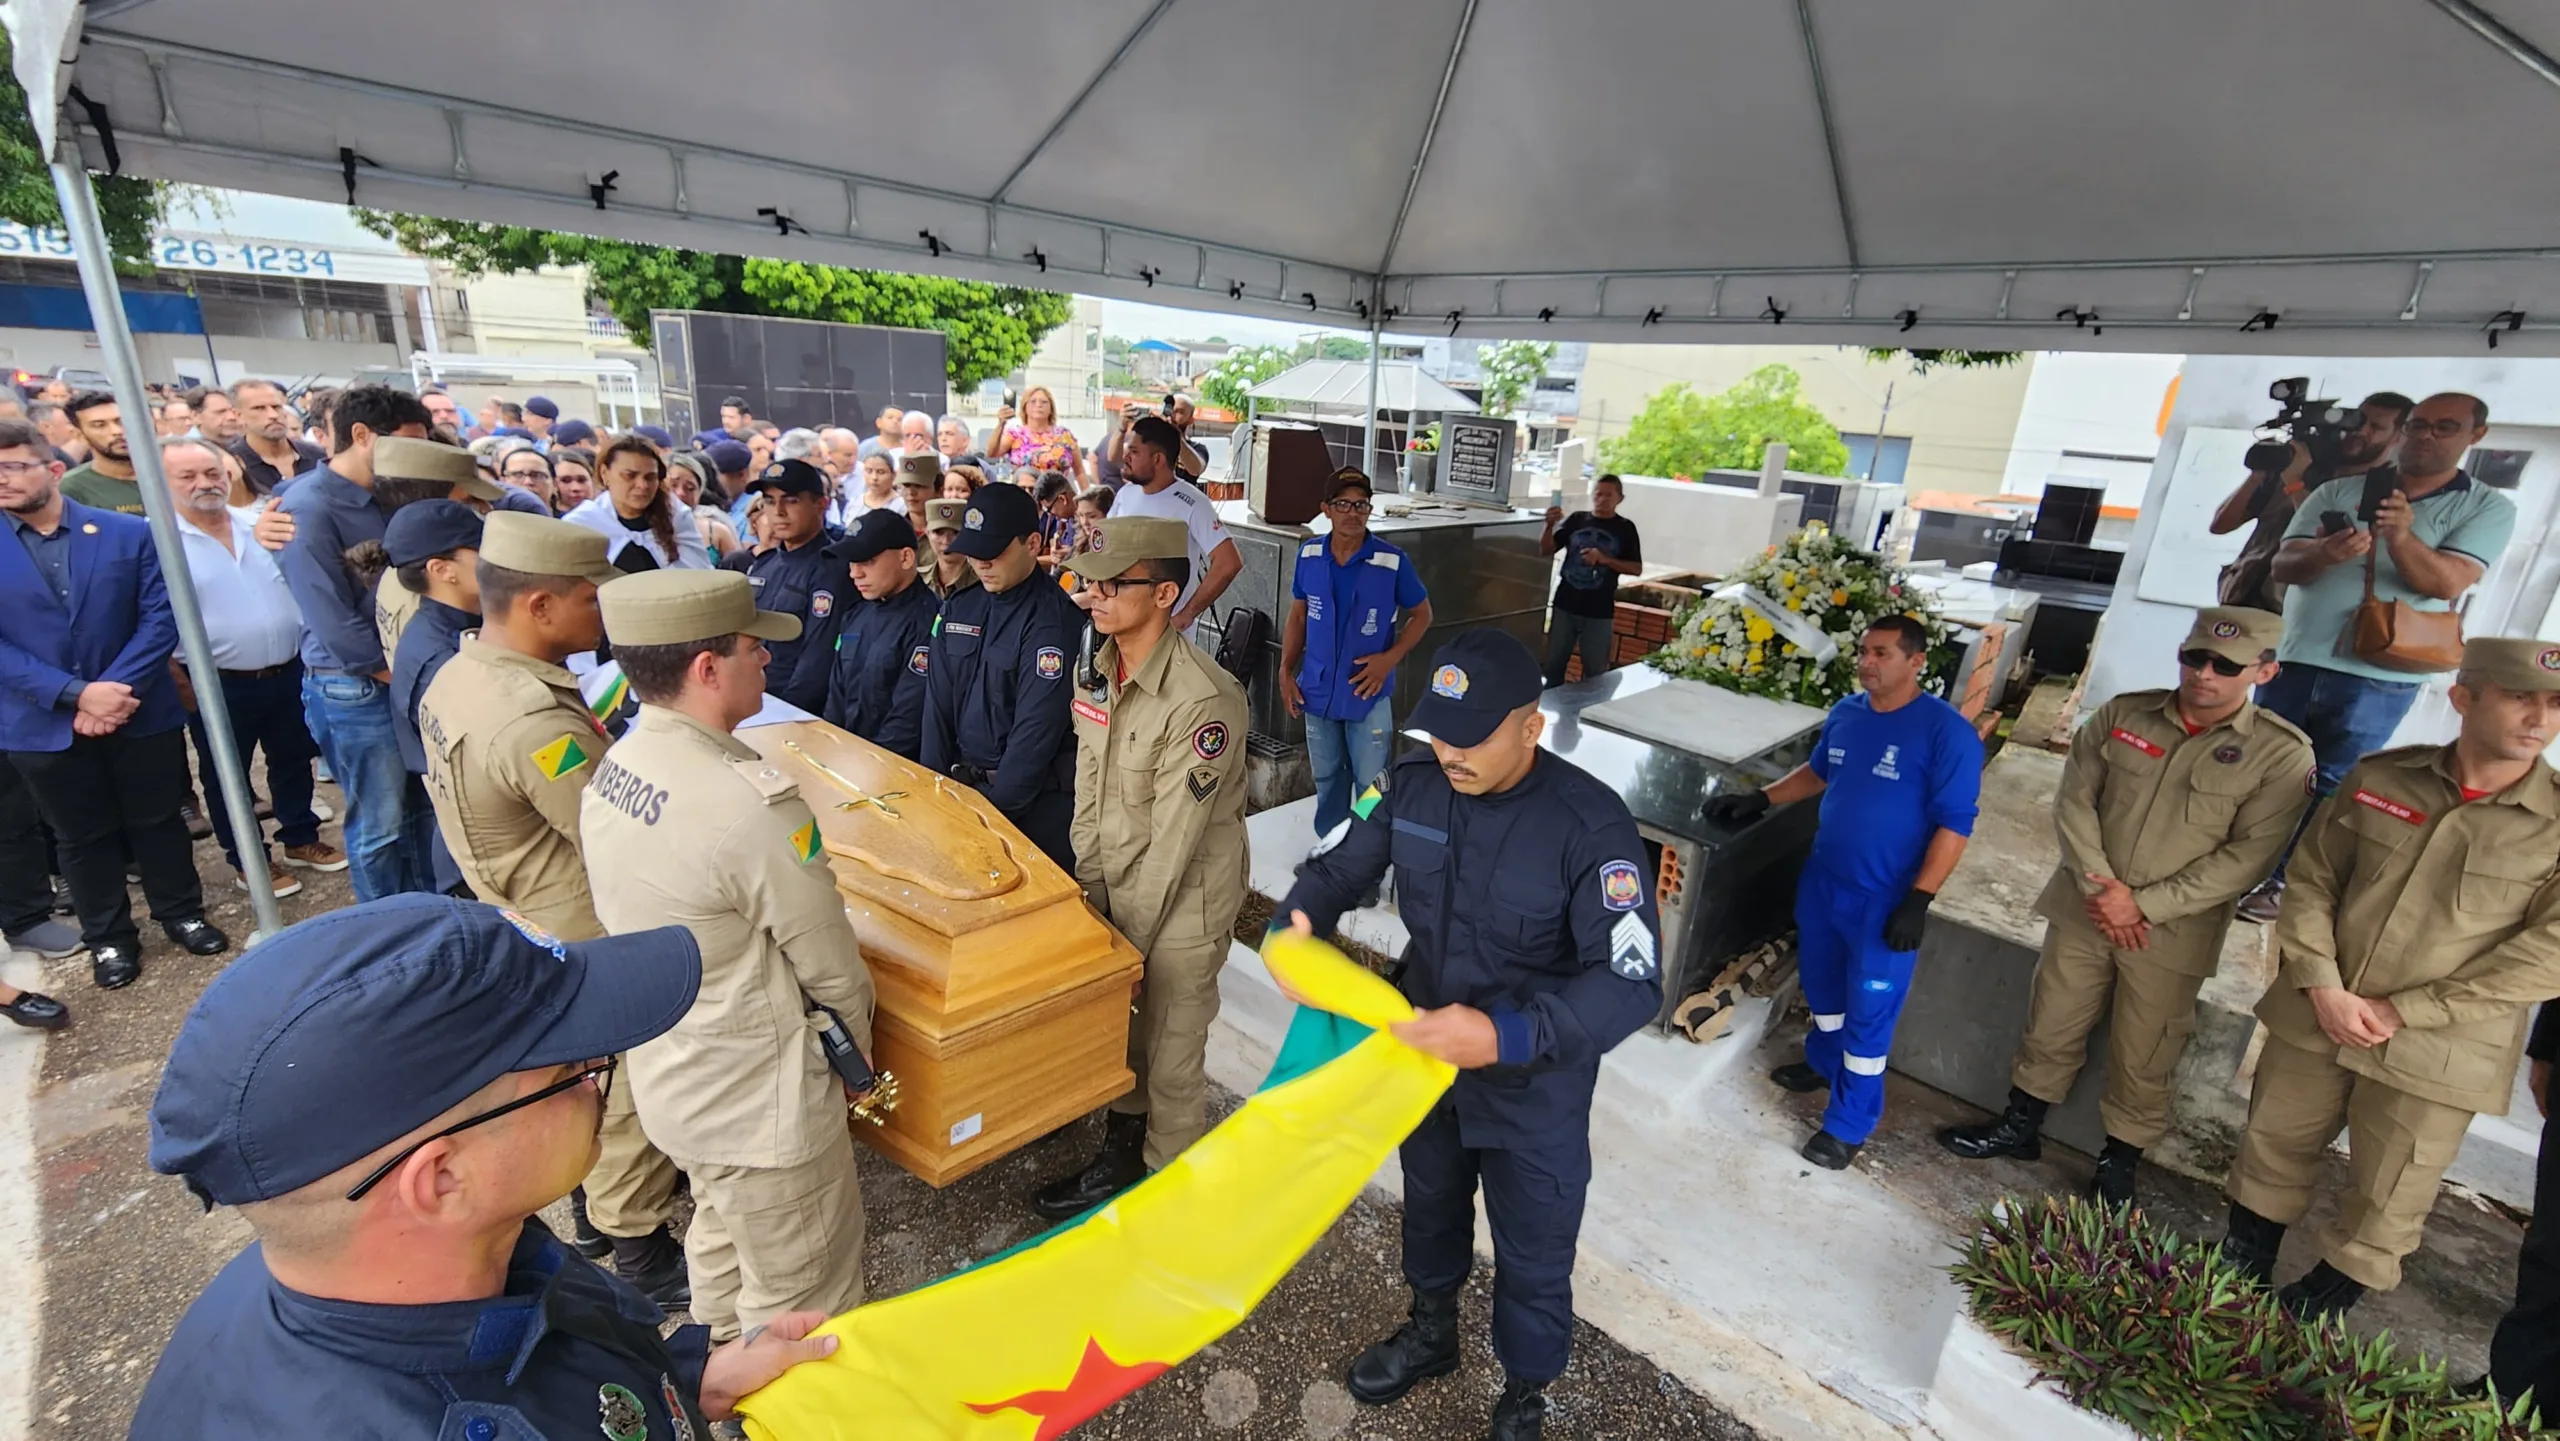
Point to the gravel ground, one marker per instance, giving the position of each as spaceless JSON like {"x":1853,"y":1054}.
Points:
{"x":125,"y":1250}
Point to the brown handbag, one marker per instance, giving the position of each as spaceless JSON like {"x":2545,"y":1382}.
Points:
{"x":2396,"y":635}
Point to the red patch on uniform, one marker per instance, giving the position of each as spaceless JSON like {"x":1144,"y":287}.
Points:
{"x":1092,"y":712}
{"x":1210,"y":741}
{"x":2391,"y":808}
{"x":2138,"y":743}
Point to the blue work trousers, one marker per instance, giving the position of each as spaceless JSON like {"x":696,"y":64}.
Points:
{"x":1855,"y":987}
{"x":2348,"y":717}
{"x":350,"y":717}
{"x":1533,"y":1199}
{"x":1346,"y":755}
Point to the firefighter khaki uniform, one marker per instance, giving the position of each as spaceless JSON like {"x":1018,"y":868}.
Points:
{"x":399,"y":457}
{"x":2190,"y":822}
{"x":687,"y":826}
{"x":510,"y":746}
{"x":1160,"y":840}
{"x":2449,"y":909}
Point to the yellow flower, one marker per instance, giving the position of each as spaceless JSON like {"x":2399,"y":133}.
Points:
{"x":1840,"y":597}
{"x":1757,"y":628}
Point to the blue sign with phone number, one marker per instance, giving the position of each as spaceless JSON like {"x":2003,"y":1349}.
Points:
{"x":184,"y":252}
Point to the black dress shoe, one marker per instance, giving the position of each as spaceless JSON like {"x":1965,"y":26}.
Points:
{"x":38,"y":1013}
{"x":654,"y":1265}
{"x":199,"y":937}
{"x":1829,"y":1151}
{"x":114,"y":967}
{"x":2112,"y":1186}
{"x":1800,"y":1078}
{"x":1426,"y":1345}
{"x":593,"y":1244}
{"x":2249,"y":1246}
{"x":198,"y":828}
{"x":1521,"y":1414}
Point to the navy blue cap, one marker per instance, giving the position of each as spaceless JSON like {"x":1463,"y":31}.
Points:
{"x":1479,"y":677}
{"x":998,"y":515}
{"x":544,"y":406}
{"x":338,"y":1036}
{"x":427,"y":528}
{"x":573,"y":432}
{"x":656,"y":435}
{"x":877,"y":531}
{"x":729,"y":455}
{"x":790,"y":477}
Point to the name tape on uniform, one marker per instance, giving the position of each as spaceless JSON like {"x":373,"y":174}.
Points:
{"x":2138,"y":743}
{"x":2391,"y":808}
{"x":1094,"y":713}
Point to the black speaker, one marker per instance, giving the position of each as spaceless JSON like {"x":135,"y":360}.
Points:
{"x":812,"y":373}
{"x":1291,"y":467}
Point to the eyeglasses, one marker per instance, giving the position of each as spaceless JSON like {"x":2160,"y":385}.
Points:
{"x":12,"y":469}
{"x":2445,"y":429}
{"x":2207,"y":660}
{"x":601,"y":1073}
{"x":527,"y":474}
{"x":1348,"y":507}
{"x":1108,"y":589}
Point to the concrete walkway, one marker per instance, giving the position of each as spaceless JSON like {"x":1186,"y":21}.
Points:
{"x":1814,"y":1303}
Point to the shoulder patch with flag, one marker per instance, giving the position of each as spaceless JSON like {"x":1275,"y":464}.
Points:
{"x":560,"y":758}
{"x":1368,"y":802}
{"x":610,"y":699}
{"x":804,"y":842}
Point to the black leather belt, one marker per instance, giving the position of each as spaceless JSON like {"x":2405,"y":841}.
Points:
{"x":261,"y":673}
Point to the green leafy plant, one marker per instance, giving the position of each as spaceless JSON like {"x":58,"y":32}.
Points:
{"x":1510,"y":369}
{"x":991,"y":329}
{"x":1225,"y":386}
{"x":1681,"y":433}
{"x":129,"y":205}
{"x":2129,"y":1321}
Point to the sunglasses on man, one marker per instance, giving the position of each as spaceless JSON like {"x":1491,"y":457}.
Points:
{"x":2206,"y":660}
{"x":601,"y":1073}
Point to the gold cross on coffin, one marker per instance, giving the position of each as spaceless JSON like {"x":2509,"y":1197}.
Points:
{"x":861,"y":797}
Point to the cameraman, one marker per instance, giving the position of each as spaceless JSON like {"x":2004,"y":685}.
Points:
{"x":1188,"y":462}
{"x":2432,"y":532}
{"x":2270,"y":499}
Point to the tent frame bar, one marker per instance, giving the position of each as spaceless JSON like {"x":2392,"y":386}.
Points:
{"x":1077,"y":104}
{"x":124,"y":370}
{"x":1830,"y":133}
{"x":1430,"y":133}
{"x":2488,"y":27}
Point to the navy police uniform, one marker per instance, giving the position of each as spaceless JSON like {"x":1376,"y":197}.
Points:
{"x":997,"y":686}
{"x":866,"y":665}
{"x":802,"y":581}
{"x":276,"y":1085}
{"x":1531,"y":905}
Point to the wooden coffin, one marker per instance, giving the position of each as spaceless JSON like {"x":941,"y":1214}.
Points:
{"x":1003,"y":998}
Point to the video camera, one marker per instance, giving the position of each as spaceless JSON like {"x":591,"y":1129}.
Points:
{"x":2320,"y":427}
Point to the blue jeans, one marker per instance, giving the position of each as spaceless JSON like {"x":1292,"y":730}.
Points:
{"x":1346,"y":755}
{"x":2347,"y":717}
{"x":350,"y":717}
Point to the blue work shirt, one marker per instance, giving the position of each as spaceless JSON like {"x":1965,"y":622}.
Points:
{"x":331,"y":513}
{"x":869,"y":675}
{"x":997,"y":691}
{"x":1351,"y":613}
{"x":1535,"y":906}
{"x":566,"y":1350}
{"x":1894,"y":779}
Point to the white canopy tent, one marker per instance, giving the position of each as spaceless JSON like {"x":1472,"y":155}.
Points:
{"x":1346,"y":385}
{"x":2366,"y":176}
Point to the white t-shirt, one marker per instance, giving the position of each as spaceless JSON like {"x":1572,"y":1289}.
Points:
{"x":1184,"y":502}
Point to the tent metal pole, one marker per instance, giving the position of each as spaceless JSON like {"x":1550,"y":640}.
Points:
{"x":1369,"y":427}
{"x":124,"y":369}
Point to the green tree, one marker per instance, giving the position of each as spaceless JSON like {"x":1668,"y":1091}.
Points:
{"x":1510,"y":370}
{"x":1924,"y":361}
{"x":129,"y":205}
{"x":1330,"y":347}
{"x":1225,"y":386}
{"x":991,"y":330}
{"x":1682,"y":433}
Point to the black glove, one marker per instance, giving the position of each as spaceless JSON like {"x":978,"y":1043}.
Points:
{"x":1735,"y":808}
{"x":1910,"y":916}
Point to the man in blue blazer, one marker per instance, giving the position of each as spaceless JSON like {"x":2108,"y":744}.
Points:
{"x":89,"y":714}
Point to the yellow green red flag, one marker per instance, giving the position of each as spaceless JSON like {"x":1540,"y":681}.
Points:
{"x":1027,"y":1345}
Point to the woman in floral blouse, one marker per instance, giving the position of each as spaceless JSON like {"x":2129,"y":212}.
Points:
{"x":1039,"y":442}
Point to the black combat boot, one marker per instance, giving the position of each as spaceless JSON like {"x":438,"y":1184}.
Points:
{"x":1424,"y":1347}
{"x":2249,"y":1247}
{"x":654,"y":1265}
{"x":2112,"y":1186}
{"x":1122,"y":1164}
{"x":1521,"y":1412}
{"x":2324,"y":1292}
{"x":593,"y":1244}
{"x":2019,"y":1132}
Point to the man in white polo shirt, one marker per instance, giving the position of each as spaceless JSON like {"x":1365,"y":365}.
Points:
{"x":255,"y":631}
{"x":1154,"y":487}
